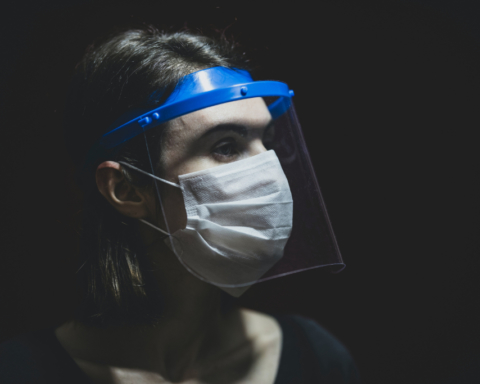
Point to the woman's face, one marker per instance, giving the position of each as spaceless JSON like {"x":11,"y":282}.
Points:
{"x":208,"y":138}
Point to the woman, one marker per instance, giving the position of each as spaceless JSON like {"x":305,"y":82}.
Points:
{"x":189,"y":170}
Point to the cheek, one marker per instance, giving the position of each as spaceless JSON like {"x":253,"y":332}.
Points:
{"x":174,"y":208}
{"x":198,"y":163}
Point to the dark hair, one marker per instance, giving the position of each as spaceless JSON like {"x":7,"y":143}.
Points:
{"x":128,"y":71}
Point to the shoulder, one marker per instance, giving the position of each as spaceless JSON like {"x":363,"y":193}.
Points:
{"x":330,"y":358}
{"x":259,"y":324}
{"x":34,"y":357}
{"x":263,"y":333}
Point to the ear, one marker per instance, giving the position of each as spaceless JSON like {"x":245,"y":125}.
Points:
{"x":123,"y":196}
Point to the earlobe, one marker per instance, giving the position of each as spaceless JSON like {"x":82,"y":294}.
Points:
{"x":123,"y":196}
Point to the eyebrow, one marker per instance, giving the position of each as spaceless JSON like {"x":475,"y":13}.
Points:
{"x":237,"y":128}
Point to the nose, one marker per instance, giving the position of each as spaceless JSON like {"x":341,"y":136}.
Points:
{"x":257,"y":147}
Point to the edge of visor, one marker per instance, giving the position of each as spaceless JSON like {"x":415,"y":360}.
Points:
{"x":334,"y":269}
{"x":338,"y":267}
{"x":207,"y":99}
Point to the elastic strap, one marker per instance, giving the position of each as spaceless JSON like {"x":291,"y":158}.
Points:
{"x":149,"y":174}
{"x":154,"y":227}
{"x":155,"y":177}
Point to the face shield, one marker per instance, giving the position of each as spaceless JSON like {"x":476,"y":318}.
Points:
{"x":238,"y":196}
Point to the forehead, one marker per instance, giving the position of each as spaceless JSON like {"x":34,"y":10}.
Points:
{"x":252,"y":113}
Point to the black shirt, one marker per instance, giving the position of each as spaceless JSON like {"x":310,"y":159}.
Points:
{"x":309,"y":355}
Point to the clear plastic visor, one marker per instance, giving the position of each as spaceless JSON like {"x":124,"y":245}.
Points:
{"x":238,"y":198}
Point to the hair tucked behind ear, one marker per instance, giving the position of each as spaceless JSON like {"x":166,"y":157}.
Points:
{"x":126,"y":71}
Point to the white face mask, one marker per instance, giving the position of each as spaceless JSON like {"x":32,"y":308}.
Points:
{"x":239,"y":219}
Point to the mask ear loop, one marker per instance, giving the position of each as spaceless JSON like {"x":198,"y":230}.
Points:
{"x":155,"y":227}
{"x":149,"y":174}
{"x":156,"y":186}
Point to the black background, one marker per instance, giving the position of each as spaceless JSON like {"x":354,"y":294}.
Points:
{"x":387,"y":93}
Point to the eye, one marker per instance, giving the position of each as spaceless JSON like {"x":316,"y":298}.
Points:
{"x":225,"y":148}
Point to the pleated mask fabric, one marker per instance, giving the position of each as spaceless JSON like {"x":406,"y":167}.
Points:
{"x":239,"y":219}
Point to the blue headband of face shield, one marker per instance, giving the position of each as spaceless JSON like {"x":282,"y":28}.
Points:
{"x":198,"y":90}
{"x":195,"y":91}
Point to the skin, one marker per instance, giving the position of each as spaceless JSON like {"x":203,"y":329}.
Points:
{"x":195,"y":341}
